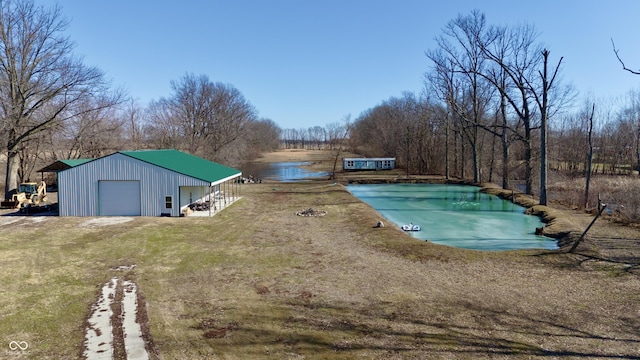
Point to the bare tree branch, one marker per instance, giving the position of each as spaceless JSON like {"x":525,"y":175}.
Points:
{"x":624,"y":67}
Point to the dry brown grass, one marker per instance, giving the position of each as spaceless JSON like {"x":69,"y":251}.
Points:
{"x":258,"y":282}
{"x":620,"y":193}
{"x":296,"y":155}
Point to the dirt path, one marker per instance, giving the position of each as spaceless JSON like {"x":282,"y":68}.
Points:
{"x":113,"y":330}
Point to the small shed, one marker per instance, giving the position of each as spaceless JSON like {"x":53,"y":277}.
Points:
{"x":357,"y":164}
{"x":145,"y":183}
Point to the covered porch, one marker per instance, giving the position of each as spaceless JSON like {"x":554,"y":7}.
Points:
{"x":205,"y":201}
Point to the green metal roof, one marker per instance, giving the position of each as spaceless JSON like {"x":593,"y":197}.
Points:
{"x":185,"y":164}
{"x":74,"y":162}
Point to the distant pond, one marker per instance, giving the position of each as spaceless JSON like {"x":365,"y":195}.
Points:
{"x":289,"y":171}
{"x":455,"y":215}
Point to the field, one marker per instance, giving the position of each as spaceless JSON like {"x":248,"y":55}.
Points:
{"x":259,"y":282}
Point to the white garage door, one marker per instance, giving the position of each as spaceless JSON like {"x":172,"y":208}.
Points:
{"x":119,"y":198}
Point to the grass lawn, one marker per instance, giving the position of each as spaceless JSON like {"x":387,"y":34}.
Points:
{"x":258,"y":282}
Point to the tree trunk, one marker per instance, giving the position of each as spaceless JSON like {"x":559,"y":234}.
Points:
{"x":11,"y":183}
{"x":528,"y":167}
{"x":543,"y":130}
{"x":456,"y":155}
{"x":505,"y":160}
{"x":446,"y":149}
{"x":543,"y":164}
{"x":528,"y":153}
{"x":504,"y":141}
{"x":463,"y":157}
{"x":492,"y":159}
{"x":475,"y":156}
{"x":589,"y":157}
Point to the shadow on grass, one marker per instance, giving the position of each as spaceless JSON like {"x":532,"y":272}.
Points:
{"x":322,"y":329}
{"x":578,"y":259}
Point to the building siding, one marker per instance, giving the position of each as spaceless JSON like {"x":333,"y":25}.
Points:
{"x":78,"y":186}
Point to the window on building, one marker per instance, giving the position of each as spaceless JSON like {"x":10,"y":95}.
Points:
{"x":168,"y":202}
{"x":350,"y":163}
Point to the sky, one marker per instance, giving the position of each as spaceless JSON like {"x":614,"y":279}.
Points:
{"x":309,"y":63}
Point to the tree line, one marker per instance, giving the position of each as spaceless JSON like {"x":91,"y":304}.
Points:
{"x":494,"y":109}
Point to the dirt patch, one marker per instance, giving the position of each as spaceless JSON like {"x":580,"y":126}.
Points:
{"x":293,"y":155}
{"x":13,"y":219}
{"x":213,"y":330}
{"x":105,"y":221}
{"x":311,"y":212}
{"x":9,"y":220}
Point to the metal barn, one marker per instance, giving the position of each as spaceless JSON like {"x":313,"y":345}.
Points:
{"x":145,"y":183}
{"x":356,"y":164}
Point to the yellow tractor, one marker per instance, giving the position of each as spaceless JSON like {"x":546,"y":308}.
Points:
{"x":29,"y":194}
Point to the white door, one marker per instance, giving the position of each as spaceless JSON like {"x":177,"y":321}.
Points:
{"x":119,"y":198}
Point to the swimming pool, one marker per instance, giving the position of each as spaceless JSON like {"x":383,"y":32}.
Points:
{"x":455,"y":215}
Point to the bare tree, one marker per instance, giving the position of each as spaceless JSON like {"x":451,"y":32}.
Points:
{"x":303,"y":136}
{"x":543,"y":105}
{"x":202,"y":117}
{"x":461,"y":52}
{"x":134,"y":116}
{"x":40,"y":79}
{"x":291,"y":138}
{"x":263,"y":135}
{"x":91,"y":133}
{"x":443,"y":84}
{"x":568,"y":144}
{"x":317,"y":137}
{"x":342,"y":139}
{"x":632,"y":114}
{"x":333,"y":134}
{"x":501,"y":44}
{"x":163,"y":131}
{"x":376,"y":131}
{"x":517,"y":66}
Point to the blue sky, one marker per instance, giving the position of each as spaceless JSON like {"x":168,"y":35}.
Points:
{"x":306,"y":63}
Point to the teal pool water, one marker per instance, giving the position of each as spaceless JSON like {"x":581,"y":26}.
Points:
{"x":455,"y":215}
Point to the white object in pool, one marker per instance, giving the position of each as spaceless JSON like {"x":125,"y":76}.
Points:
{"x":411,"y":227}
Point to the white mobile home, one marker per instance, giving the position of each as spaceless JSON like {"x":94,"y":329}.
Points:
{"x":144,"y":183}
{"x":356,"y":164}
